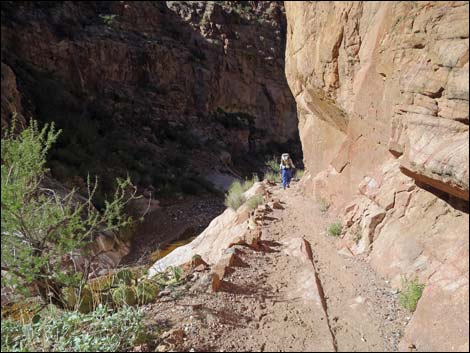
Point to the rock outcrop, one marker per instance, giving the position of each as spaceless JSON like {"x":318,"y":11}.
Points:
{"x":230,"y":228}
{"x":149,"y":86}
{"x":382,"y":99}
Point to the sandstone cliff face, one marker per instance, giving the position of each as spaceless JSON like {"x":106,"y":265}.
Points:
{"x":382,"y":99}
{"x":137,"y":82}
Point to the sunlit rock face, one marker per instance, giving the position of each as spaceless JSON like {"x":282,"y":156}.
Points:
{"x":382,"y":101}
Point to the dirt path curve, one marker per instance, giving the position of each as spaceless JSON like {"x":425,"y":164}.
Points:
{"x":275,"y":299}
{"x":362,"y":309}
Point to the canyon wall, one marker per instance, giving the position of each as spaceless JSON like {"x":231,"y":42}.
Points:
{"x":382,"y":99}
{"x":174,"y":94}
{"x":168,"y":91}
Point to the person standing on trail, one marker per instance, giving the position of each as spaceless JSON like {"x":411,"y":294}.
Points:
{"x":287,"y":167}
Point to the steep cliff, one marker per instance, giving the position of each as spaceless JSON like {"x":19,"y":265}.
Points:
{"x":382,"y":99}
{"x":165,"y":90}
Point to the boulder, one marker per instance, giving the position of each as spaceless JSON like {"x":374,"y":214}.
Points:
{"x":230,"y":228}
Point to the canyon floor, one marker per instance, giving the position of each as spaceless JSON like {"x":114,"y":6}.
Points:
{"x":268,"y":303}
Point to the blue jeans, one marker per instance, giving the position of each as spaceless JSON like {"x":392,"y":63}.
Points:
{"x":286,"y":177}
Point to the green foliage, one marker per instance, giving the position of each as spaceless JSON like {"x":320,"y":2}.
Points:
{"x":335,"y":229}
{"x":273,"y":170}
{"x":108,"y":19}
{"x":235,"y":196}
{"x":272,"y":177}
{"x":248,"y":183}
{"x":411,"y":291}
{"x":78,"y":299}
{"x":146,"y":291}
{"x":41,"y":228}
{"x":57,"y":331}
{"x":177,"y":273}
{"x":124,"y":276}
{"x":124,"y":295}
{"x":125,"y":287}
{"x":255,"y":201}
{"x":171,"y":277}
{"x":273,"y":165}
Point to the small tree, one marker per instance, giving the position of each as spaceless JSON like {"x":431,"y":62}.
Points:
{"x":41,"y":230}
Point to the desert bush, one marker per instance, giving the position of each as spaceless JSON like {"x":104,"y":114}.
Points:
{"x":255,"y":201}
{"x":54,"y":330}
{"x":124,"y":295}
{"x":41,"y":228}
{"x":146,"y":291}
{"x":171,"y":277}
{"x":273,"y":170}
{"x":108,"y":19}
{"x":235,"y":196}
{"x":248,"y":183}
{"x":272,"y":177}
{"x":410,"y":293}
{"x":273,"y":165}
{"x":335,"y":229}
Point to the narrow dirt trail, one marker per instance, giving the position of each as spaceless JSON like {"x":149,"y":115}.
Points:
{"x":276,"y":299}
{"x":362,"y":308}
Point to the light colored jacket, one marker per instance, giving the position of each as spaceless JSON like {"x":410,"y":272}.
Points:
{"x":286,"y":164}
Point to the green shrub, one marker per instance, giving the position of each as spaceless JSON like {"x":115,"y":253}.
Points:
{"x":58,"y":331}
{"x":108,"y":19}
{"x":39,"y":225}
{"x":272,"y":177}
{"x":176,"y":274}
{"x":125,"y":276}
{"x":248,"y":183}
{"x":235,"y":198}
{"x":124,"y":295}
{"x":146,"y":291}
{"x":255,"y":201}
{"x":273,"y":165}
{"x":335,"y":229}
{"x":172,"y":276}
{"x":273,"y":170}
{"x":81,"y":300}
{"x":411,"y":291}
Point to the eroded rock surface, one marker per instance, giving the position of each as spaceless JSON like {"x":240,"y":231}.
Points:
{"x":153,"y":88}
{"x":382,"y":98}
{"x":230,"y":228}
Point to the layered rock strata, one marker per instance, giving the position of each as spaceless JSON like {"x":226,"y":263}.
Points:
{"x":382,"y":98}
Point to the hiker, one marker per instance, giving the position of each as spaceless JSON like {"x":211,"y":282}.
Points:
{"x":287,"y":168}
